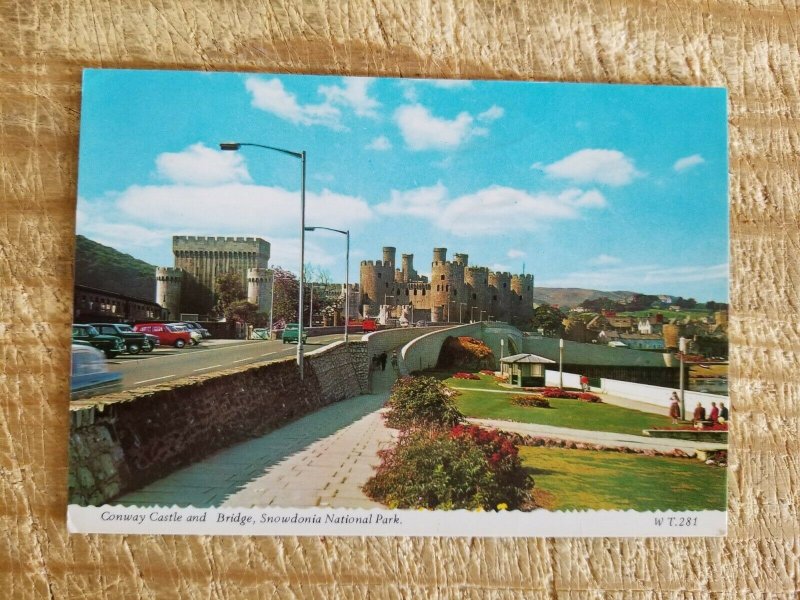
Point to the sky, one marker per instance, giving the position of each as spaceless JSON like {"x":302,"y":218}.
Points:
{"x":610,"y":187}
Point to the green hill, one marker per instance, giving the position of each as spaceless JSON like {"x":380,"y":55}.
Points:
{"x":103,"y":267}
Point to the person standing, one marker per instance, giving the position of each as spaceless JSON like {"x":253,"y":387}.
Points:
{"x":383,"y":358}
{"x":699,"y":415}
{"x":723,"y":413}
{"x":674,"y":408}
{"x":584,"y":383}
{"x":713,"y":416}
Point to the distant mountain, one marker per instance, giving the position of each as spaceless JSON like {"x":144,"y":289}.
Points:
{"x":103,"y":267}
{"x":572,"y":297}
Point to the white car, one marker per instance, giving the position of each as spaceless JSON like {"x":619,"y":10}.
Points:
{"x":196,"y":335}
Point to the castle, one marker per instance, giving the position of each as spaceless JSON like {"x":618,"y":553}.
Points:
{"x":189,"y":286}
{"x":456,"y":292}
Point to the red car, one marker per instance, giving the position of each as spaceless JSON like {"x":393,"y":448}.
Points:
{"x":166,"y":334}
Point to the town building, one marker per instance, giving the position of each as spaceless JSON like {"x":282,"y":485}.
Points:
{"x":456,"y":292}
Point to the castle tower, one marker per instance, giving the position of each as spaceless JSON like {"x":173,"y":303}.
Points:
{"x":259,"y":288}
{"x":439,"y":254}
{"x":204,"y":258}
{"x":168,"y":290}
{"x":461,"y":259}
{"x":476,"y":281}
{"x":388,"y":255}
{"x":500,"y":288}
{"x":522,"y":298}
{"x":409,"y":274}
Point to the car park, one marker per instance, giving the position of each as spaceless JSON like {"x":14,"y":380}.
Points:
{"x":111,"y":345}
{"x":90,"y":374}
{"x":135,"y":341}
{"x":167,"y":334}
{"x":290,"y":333}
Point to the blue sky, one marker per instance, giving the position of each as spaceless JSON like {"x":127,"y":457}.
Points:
{"x":596,"y":186}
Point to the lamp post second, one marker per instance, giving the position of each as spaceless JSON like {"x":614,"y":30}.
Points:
{"x":346,"y":277}
{"x":234,"y":146}
{"x":561,"y":363}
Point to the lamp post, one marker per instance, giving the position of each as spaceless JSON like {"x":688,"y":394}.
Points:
{"x":234,"y":146}
{"x":271,"y":302}
{"x":681,"y":352}
{"x":561,"y":363}
{"x":502,"y":347}
{"x":346,"y":233}
{"x":311,"y":305}
{"x":460,"y":304}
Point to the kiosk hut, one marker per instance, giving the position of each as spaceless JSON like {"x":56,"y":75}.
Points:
{"x":525,"y":370}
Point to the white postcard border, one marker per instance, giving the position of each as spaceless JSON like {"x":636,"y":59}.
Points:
{"x":109,"y":519}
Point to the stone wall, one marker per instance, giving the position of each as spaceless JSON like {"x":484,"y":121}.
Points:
{"x":388,"y":339}
{"x":123,"y":441}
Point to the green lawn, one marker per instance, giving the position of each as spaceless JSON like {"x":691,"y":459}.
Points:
{"x":563,"y":413}
{"x":585,"y":479}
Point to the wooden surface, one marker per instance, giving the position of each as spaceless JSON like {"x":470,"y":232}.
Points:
{"x":749,"y":47}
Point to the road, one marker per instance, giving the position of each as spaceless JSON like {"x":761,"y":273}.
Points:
{"x":166,"y":363}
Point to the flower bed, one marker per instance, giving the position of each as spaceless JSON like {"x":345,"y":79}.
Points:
{"x":461,"y":375}
{"x":714,"y":427}
{"x":530,"y":400}
{"x":559,"y":393}
{"x":487,"y":372}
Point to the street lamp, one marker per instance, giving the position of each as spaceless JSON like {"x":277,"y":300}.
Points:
{"x":311,"y":305}
{"x":460,"y":304}
{"x":681,"y":352}
{"x":346,"y":277}
{"x":234,"y":146}
{"x":561,"y":363}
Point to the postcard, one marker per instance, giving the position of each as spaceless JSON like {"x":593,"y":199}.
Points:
{"x":313,"y":305}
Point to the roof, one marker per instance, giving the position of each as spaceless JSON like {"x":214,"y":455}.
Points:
{"x":576,"y":353}
{"x":526,"y":358}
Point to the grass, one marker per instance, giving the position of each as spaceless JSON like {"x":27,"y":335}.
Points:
{"x":591,"y":480}
{"x":573,"y":414}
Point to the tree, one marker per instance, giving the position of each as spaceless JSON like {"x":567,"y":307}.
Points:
{"x":549,"y":319}
{"x":228,"y":289}
{"x":284,"y":303}
{"x":242,"y":311}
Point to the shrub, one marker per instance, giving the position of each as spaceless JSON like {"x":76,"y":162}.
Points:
{"x":467,"y":353}
{"x":461,"y":468}
{"x":465,"y":376}
{"x":587,"y":397}
{"x":487,"y":372}
{"x":530,"y":400}
{"x":421,"y":401}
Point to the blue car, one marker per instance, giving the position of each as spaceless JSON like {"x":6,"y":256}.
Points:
{"x":90,"y":375}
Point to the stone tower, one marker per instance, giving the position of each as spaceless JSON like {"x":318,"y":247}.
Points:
{"x":169,"y":282}
{"x":259,"y":288}
{"x":204,"y":258}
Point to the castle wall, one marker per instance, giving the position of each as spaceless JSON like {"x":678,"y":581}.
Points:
{"x":259,"y":288}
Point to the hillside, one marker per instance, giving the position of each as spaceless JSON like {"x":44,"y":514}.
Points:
{"x":572,"y":297}
{"x":103,"y":267}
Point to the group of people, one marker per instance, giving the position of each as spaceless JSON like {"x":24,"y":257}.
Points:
{"x":379,"y":360}
{"x":717,"y":414}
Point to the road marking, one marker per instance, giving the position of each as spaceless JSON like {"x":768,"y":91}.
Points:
{"x":206,"y":368}
{"x":154,"y":379}
{"x":242,"y":360}
{"x":269,"y":353}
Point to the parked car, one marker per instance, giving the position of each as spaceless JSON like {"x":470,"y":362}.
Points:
{"x":111,"y":345}
{"x":154,"y":341}
{"x":196,"y":337}
{"x":198,"y":327}
{"x":167,"y":334}
{"x":135,"y":342}
{"x":90,"y":375}
{"x":261,"y":333}
{"x":290,"y":333}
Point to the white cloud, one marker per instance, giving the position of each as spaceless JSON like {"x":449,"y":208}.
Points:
{"x":424,"y":202}
{"x":423,"y":131}
{"x":515,"y":253}
{"x":447,"y":84}
{"x":380,"y":143}
{"x":200,"y":165}
{"x":272,"y":97}
{"x":499,"y":268}
{"x":354,"y":94}
{"x":604,"y":260}
{"x":593,"y":165}
{"x":639,"y":276}
{"x":492,"y":114}
{"x":234,"y":209}
{"x":687,"y":162}
{"x":489,"y":210}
